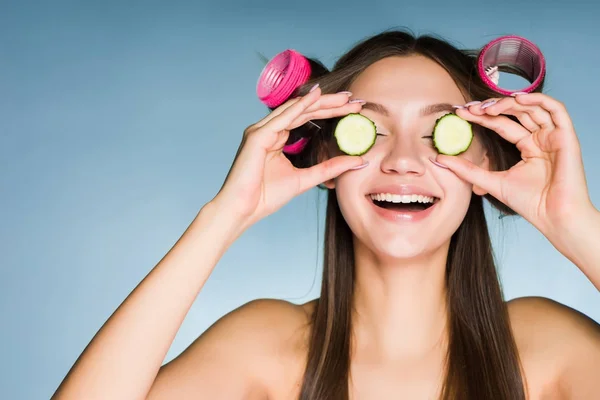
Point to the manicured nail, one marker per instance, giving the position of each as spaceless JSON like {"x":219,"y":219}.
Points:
{"x":314,"y":88}
{"x":515,"y":94}
{"x":437,"y":163}
{"x":472,"y":103}
{"x":346,"y":93}
{"x":360,"y":166}
{"x":459,"y":107}
{"x":357,"y":101}
{"x":488,"y":103}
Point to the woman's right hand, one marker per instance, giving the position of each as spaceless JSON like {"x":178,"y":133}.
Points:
{"x":261,"y":179}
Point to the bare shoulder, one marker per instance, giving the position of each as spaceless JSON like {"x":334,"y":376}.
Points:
{"x":548,"y":322}
{"x":245,"y":354}
{"x":264,"y":319}
{"x":558,"y":346}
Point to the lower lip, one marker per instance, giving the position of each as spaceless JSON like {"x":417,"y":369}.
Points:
{"x":402,"y":216}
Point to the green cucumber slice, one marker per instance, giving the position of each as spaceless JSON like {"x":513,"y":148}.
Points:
{"x":355,"y":134}
{"x":452,"y":135}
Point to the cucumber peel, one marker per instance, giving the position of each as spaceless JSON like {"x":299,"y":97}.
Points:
{"x":355,"y":134}
{"x":452,"y":135}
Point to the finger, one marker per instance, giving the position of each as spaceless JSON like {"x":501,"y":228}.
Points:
{"x":277,"y":129}
{"x":540,"y":117}
{"x":326,"y":114}
{"x":276,"y":112}
{"x":523,"y":117}
{"x":537,"y":114}
{"x":273,"y":124}
{"x":285,"y":118}
{"x":327,"y":170}
{"x":326,"y":101}
{"x":509,"y":106}
{"x":502,"y":125}
{"x":478,"y":107}
{"x":557,"y":110}
{"x":487,"y":181}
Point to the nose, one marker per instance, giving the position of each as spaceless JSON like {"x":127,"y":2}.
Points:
{"x":404,"y":155}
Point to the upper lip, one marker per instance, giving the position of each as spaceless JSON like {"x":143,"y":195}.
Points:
{"x":403,"y":190}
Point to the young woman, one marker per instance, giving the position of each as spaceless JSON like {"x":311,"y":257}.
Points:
{"x":410,"y":306}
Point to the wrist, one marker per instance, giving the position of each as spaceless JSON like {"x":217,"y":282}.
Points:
{"x":578,"y":234}
{"x":221,"y":221}
{"x":584,"y":220}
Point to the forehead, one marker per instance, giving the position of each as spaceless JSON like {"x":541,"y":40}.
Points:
{"x":406,"y":79}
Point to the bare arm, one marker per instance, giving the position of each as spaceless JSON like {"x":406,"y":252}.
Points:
{"x":560,"y":345}
{"x":245,"y":355}
{"x":578,"y":241}
{"x":123,"y":359}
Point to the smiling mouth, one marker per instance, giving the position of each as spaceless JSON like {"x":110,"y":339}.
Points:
{"x":403,"y":203}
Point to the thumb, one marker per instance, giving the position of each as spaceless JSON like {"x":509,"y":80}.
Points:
{"x":327,"y":170}
{"x":483,"y":180}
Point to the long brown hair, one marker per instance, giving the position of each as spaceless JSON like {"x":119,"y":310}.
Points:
{"x":482,"y":360}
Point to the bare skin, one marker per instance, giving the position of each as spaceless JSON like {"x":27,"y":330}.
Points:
{"x":275,"y":350}
{"x":259,"y":351}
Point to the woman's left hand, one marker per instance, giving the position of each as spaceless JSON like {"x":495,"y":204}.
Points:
{"x":548,"y":186}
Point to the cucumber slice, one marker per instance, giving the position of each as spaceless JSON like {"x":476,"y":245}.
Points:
{"x":355,"y":134}
{"x":452,"y":135}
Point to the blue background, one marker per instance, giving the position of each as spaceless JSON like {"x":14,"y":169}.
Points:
{"x":119,"y":120}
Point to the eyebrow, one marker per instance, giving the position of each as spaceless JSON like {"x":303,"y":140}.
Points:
{"x":427,"y":110}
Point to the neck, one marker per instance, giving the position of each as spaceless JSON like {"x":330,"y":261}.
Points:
{"x":400,"y":305}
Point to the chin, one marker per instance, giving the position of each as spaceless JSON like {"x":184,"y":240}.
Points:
{"x":401,"y":247}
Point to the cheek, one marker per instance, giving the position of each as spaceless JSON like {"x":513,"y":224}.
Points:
{"x":457,"y":198}
{"x":350,"y":197}
{"x":344,"y":185}
{"x":347,"y":189}
{"x":458,"y":193}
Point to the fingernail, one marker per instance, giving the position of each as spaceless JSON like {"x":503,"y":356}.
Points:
{"x":488,"y":104}
{"x":314,"y":88}
{"x":458,"y":107}
{"x":515,"y":94}
{"x":357,"y":101}
{"x":360,"y":166}
{"x":437,"y":163}
{"x":472,"y":103}
{"x":346,"y":93}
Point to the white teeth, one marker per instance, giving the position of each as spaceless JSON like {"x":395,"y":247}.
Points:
{"x":397,"y":198}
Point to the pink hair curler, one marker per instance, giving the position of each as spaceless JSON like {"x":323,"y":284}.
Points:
{"x":517,"y":53}
{"x":281,"y":76}
{"x":296,"y":147}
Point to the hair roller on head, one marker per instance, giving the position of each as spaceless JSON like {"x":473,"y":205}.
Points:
{"x":513,"y":54}
{"x":282,"y":75}
{"x":280,"y":79}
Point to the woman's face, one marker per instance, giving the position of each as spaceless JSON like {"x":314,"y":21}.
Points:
{"x":405,"y":96}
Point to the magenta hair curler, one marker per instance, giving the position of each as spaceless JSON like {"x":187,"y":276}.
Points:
{"x":282,"y":75}
{"x":296,"y":147}
{"x":517,"y":54}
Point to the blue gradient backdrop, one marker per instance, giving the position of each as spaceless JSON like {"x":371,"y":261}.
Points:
{"x":119,"y":120}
